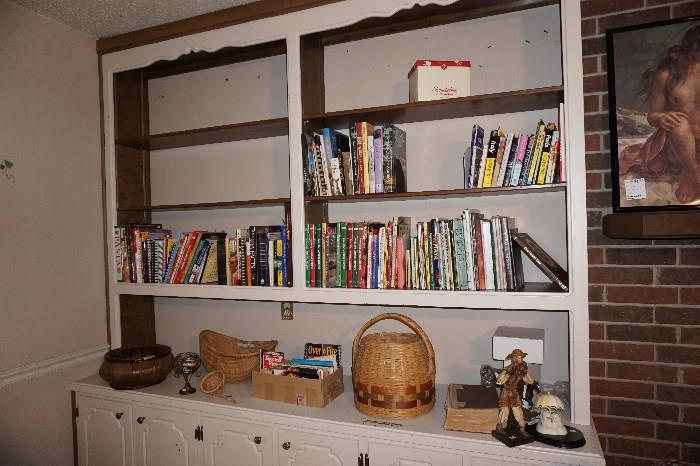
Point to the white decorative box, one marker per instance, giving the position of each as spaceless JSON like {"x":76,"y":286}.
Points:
{"x":435,"y":79}
{"x":529,"y":340}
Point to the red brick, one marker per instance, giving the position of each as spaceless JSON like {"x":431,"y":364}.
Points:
{"x":597,"y":405}
{"x":640,"y":256}
{"x":595,"y":255}
{"x":691,"y":415}
{"x":690,"y":256}
{"x":592,"y":46}
{"x":602,"y":7}
{"x":686,"y":9}
{"x":592,"y":142}
{"x":690,"y":295}
{"x":596,"y":122}
{"x":622,"y":426}
{"x":613,"y":460}
{"x":644,"y":448}
{"x":641,"y":409}
{"x":590,"y":66}
{"x":596,"y":368}
{"x":620,"y":313}
{"x":623,"y":351}
{"x":596,"y":331}
{"x":588,"y":27}
{"x":604,"y":101}
{"x":678,"y":433}
{"x":620,"y":389}
{"x":690,"y":336}
{"x":646,"y":372}
{"x":598,"y":161}
{"x":678,"y":394}
{"x":691,"y":376}
{"x":678,"y":354}
{"x":637,"y":17}
{"x":591,"y":103}
{"x":677,"y":315}
{"x":595,"y":293}
{"x":679,"y":276}
{"x":607,"y":180}
{"x":599,"y":199}
{"x":595,"y":83}
{"x":644,"y":333}
{"x":594,"y":180}
{"x":642,"y":294}
{"x":691,"y":454}
{"x":621,"y":275}
{"x":606,"y":141}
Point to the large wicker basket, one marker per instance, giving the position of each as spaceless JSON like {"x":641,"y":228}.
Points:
{"x":393,"y":374}
{"x":235,"y":358}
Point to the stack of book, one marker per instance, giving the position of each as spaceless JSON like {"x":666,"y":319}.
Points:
{"x":256,"y":256}
{"x":372,"y":159}
{"x":464,"y":253}
{"x":499,"y":159}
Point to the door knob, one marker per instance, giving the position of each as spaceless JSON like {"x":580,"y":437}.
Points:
{"x":140,"y":419}
{"x":286,"y":445}
{"x":257,"y":440}
{"x":118,"y":415}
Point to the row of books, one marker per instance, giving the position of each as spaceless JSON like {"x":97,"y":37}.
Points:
{"x":256,"y":256}
{"x":465,"y":253}
{"x":372,"y":159}
{"x":510,"y":159}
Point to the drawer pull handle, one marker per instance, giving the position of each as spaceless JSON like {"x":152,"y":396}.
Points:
{"x":286,"y":445}
{"x":257,"y":440}
{"x":118,"y":415}
{"x":140,"y":419}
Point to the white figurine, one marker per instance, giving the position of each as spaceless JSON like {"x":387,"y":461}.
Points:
{"x":550,"y":407}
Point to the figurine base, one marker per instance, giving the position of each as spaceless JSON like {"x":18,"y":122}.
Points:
{"x":512,"y":436}
{"x":573,"y":439}
{"x":187,"y":390}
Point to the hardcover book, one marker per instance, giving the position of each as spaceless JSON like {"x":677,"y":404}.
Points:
{"x":394,"y":147}
{"x":471,"y":408}
{"x":542,"y":260}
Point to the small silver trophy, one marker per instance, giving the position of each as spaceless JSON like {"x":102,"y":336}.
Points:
{"x":187,"y":364}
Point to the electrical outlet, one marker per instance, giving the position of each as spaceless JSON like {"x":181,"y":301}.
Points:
{"x":287,"y":310}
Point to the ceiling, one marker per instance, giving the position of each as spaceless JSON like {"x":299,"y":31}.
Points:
{"x":105,"y":18}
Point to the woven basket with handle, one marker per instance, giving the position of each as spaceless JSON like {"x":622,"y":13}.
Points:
{"x":393,"y":374}
{"x":235,"y":358}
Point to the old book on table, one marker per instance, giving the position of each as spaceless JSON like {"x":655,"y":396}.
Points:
{"x":471,"y":408}
{"x":544,"y":261}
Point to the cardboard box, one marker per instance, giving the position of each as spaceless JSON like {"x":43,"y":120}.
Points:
{"x":529,"y":340}
{"x":433,"y":79}
{"x":295,"y":390}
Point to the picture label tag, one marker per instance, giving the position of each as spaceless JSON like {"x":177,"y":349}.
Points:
{"x":635,"y":189}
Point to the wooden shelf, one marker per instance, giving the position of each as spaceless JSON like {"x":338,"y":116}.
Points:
{"x":461,"y":107}
{"x":445,"y":193}
{"x":208,"y":205}
{"x":652,"y":225}
{"x":420,"y":17}
{"x":210,"y":135}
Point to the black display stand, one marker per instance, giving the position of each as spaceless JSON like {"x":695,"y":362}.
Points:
{"x":511,"y":436}
{"x":573,"y":439}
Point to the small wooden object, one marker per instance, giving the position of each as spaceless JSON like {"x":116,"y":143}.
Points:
{"x":393,"y":373}
{"x":213,"y":384}
{"x":471,"y":408}
{"x":235,"y":358}
{"x":315,"y":393}
{"x":128,"y":368}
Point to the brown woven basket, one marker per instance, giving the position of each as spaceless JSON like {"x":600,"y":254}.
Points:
{"x":235,"y":358}
{"x":393,"y":374}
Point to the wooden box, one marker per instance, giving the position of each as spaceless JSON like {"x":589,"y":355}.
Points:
{"x":299,"y":391}
{"x":471,"y":408}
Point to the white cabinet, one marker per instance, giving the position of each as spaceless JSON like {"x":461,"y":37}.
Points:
{"x":164,"y":437}
{"x":297,"y":448}
{"x":104,"y":432}
{"x":386,"y":454}
{"x":233,"y":443}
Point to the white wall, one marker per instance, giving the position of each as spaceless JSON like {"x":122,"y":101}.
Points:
{"x":52,"y":301}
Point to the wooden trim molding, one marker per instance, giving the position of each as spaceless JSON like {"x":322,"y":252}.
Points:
{"x":206,"y":22}
{"x":48,"y":366}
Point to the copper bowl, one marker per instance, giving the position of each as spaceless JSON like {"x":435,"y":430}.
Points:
{"x":138,"y":367}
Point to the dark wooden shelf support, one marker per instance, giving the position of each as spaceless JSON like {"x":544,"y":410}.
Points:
{"x":652,"y":225}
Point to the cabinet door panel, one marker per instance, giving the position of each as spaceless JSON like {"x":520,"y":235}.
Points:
{"x":402,"y":455}
{"x":163,"y":437}
{"x":311,"y":449}
{"x":104,"y":432}
{"x":500,"y":461}
{"x":235,"y":443}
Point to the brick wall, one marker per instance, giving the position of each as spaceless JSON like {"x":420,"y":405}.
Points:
{"x":644,"y":295}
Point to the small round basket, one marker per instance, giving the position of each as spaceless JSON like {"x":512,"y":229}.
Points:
{"x":213,"y":383}
{"x":393,"y":374}
{"x":235,"y":358}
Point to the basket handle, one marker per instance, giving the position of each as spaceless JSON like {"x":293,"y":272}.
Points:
{"x":410,"y":323}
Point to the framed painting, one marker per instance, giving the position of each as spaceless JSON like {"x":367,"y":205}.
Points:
{"x":654,"y":102}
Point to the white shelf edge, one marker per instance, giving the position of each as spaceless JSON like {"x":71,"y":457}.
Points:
{"x":247,"y":293}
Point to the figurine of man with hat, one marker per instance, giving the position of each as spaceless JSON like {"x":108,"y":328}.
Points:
{"x":509,"y":398}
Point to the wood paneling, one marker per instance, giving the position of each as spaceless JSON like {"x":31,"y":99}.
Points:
{"x":653,"y":225}
{"x":138,"y":321}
